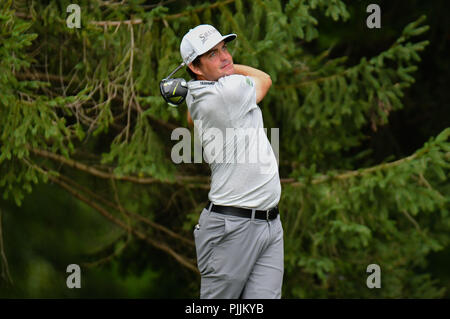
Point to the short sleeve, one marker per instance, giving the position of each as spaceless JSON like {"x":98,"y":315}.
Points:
{"x":238,"y":92}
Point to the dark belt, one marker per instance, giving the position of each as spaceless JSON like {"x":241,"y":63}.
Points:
{"x":244,"y":212}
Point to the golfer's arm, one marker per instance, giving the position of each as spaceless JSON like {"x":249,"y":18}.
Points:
{"x":262,"y":79}
{"x":189,"y":119}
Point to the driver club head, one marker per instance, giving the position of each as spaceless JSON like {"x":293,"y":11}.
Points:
{"x":174,"y":91}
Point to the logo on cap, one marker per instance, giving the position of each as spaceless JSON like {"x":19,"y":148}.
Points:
{"x":204,"y":36}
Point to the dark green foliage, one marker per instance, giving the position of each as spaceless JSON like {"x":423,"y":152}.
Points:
{"x":80,"y":108}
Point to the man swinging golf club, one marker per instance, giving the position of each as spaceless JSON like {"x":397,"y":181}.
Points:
{"x":239,"y":236}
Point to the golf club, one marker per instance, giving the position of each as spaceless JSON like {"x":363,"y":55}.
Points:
{"x":174,"y":91}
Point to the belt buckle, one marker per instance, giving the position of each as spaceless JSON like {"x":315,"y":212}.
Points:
{"x":267,"y":214}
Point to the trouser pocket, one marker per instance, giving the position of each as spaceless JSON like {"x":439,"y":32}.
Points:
{"x":215,"y":231}
{"x":207,"y":233}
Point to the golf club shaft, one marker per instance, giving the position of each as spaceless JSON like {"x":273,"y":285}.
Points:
{"x":174,"y":71}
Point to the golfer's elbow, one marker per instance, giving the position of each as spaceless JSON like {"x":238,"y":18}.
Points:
{"x":266,"y":83}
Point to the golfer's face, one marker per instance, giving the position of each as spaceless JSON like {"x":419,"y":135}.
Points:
{"x":217,"y":62}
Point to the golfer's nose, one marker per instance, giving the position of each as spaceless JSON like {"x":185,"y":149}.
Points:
{"x":224,"y":55}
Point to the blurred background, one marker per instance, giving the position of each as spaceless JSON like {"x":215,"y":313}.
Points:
{"x":85,"y":168}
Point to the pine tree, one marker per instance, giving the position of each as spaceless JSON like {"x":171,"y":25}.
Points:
{"x":81,"y":107}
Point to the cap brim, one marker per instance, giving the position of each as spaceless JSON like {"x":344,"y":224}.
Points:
{"x":229,"y":37}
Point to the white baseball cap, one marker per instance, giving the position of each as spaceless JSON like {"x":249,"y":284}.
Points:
{"x":200,"y":40}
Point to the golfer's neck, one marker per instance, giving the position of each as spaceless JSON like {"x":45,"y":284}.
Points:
{"x":202,"y":78}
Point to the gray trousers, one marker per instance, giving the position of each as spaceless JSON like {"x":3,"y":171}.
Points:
{"x":239,"y":257}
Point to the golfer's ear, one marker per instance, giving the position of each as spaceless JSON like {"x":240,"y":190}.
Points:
{"x":195,"y":69}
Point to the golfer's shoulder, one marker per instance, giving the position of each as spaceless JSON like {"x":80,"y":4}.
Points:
{"x":234,"y":85}
{"x":231,"y":81}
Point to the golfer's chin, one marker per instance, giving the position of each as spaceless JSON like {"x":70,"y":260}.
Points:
{"x":228,"y":70}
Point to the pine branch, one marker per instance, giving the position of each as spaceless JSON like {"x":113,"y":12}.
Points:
{"x":314,"y":81}
{"x":41,"y":77}
{"x":413,"y":221}
{"x":102,"y":174}
{"x":4,"y":262}
{"x":359,"y":172}
{"x":56,"y":78}
{"x":165,"y":18}
{"x":161,"y":246}
{"x":126,"y":212}
{"x":101,"y":199}
{"x":116,"y":23}
{"x":181,"y":180}
{"x":109,"y":257}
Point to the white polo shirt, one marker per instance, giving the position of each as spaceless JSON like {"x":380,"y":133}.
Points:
{"x":244,"y":169}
